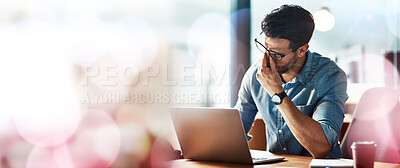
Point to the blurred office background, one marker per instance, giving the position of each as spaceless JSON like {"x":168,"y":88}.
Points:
{"x":88,"y":83}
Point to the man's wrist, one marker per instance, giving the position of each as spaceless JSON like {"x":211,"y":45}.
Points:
{"x":278,"y":98}
{"x":277,"y":91}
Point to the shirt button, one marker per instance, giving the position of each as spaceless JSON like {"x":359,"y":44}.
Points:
{"x":284,"y":149}
{"x":280,"y":131}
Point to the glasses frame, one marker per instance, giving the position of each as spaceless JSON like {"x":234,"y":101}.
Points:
{"x":274,"y":55}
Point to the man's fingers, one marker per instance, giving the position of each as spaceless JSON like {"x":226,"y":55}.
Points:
{"x":272,"y":64}
{"x":264,"y":61}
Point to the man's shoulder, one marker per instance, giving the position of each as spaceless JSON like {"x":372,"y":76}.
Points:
{"x":256,"y":64}
{"x":326,"y":72}
{"x":253,"y":69}
{"x":324,"y":65}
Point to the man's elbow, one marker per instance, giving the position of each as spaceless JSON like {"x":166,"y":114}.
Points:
{"x":321,"y":151}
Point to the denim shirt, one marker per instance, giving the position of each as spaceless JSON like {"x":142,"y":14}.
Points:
{"x":318,"y":91}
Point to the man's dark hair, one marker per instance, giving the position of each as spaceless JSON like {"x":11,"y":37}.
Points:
{"x":291,"y":22}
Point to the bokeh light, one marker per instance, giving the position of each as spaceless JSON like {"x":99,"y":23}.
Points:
{"x":111,"y":55}
{"x":388,"y":129}
{"x":375,"y":104}
{"x":43,"y":156}
{"x":135,"y":141}
{"x":97,"y":141}
{"x":129,"y":41}
{"x":47,"y":123}
{"x":17,"y":153}
{"x":209,"y":44}
{"x":107,"y":148}
{"x":40,"y":93}
{"x":208,"y":38}
{"x":324,"y":20}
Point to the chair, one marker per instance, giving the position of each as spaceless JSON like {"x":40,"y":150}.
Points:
{"x":376,"y":118}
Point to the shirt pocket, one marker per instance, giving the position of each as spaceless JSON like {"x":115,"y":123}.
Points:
{"x":308,"y":110}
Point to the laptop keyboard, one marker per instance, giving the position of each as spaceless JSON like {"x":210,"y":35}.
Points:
{"x":259,"y":159}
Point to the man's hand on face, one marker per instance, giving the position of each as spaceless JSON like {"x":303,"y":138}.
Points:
{"x":268,"y":76}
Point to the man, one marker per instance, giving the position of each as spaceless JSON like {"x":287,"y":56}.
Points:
{"x":301,"y":96}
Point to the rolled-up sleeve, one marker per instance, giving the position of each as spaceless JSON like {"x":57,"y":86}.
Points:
{"x":245,"y":103}
{"x":330,"y":108}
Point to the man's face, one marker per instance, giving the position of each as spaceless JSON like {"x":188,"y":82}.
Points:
{"x":280,"y":45}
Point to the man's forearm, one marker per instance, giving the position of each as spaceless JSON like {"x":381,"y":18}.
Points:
{"x":306,"y":130}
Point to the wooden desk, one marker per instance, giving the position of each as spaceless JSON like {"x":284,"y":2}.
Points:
{"x":290,"y":161}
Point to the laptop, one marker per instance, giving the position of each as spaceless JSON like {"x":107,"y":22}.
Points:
{"x":215,"y":134}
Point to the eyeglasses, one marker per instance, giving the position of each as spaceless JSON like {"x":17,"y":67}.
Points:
{"x":274,"y":55}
